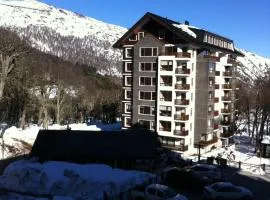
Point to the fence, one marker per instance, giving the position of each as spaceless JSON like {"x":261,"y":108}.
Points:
{"x":257,"y":168}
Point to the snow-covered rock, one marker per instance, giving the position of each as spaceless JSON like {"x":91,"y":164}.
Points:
{"x":69,"y":180}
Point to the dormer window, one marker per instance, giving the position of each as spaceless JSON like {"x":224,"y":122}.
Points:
{"x":133,"y":38}
{"x":161,"y":34}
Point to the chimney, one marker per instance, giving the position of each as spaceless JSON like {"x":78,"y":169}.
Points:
{"x":186,"y":22}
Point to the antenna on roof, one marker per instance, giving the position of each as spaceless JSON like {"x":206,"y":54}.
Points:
{"x":186,"y":22}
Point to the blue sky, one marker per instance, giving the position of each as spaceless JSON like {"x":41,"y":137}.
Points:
{"x":247,"y":22}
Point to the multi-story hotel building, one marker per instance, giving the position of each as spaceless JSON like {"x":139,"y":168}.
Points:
{"x":179,"y":81}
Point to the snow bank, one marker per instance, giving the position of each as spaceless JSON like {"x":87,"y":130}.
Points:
{"x":62,"y":179}
{"x":186,"y":29}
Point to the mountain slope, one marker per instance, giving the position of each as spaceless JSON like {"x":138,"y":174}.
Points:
{"x":252,"y":66}
{"x":64,"y":33}
{"x":83,"y":39}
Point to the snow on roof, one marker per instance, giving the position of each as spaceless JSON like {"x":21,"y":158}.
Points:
{"x":266,"y":139}
{"x":69,"y":179}
{"x":186,"y":29}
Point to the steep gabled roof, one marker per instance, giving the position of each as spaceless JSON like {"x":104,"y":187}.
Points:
{"x":188,"y":33}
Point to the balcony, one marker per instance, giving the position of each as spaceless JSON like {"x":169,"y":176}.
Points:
{"x":180,"y":133}
{"x":166,"y":129}
{"x":226,"y":98}
{"x":227,"y":86}
{"x":177,"y":54}
{"x":182,"y":86}
{"x":215,"y":126}
{"x":204,"y":143}
{"x":181,"y":102}
{"x":225,"y":123}
{"x":216,"y":113}
{"x":216,"y":100}
{"x":181,"y":117}
{"x":166,"y":84}
{"x":227,"y":73}
{"x":166,"y":68}
{"x":212,"y":58}
{"x":226,"y":111}
{"x":216,"y":86}
{"x":182,"y":71}
{"x":217,"y":73}
{"x":232,"y":61}
{"x":227,"y":134}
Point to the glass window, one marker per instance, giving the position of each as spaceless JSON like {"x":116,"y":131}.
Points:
{"x":128,"y":80}
{"x":145,"y":110}
{"x":144,"y":81}
{"x":128,"y":122}
{"x":140,"y":35}
{"x":128,"y":66}
{"x":129,"y":52}
{"x":148,"y":51}
{"x":133,"y":37}
{"x":128,"y":94}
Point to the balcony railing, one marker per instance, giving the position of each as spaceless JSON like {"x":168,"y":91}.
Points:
{"x":182,"y":86}
{"x":177,"y":54}
{"x":226,"y":98}
{"x":181,"y":117}
{"x":203,"y":143}
{"x":216,"y":86}
{"x":182,"y":71}
{"x":213,"y":58}
{"x":166,"y":84}
{"x":227,"y":134}
{"x":165,"y":99}
{"x":166,"y":129}
{"x":226,"y":86}
{"x":232,"y":61}
{"x":183,"y":102}
{"x":216,"y":113}
{"x":180,"y":133}
{"x":166,"y":68}
{"x":217,"y":73}
{"x":225,"y":123}
{"x":226,"y":110}
{"x":228,"y":73}
{"x":176,"y":147}
{"x":216,"y":99}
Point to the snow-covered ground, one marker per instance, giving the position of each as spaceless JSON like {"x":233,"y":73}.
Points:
{"x":62,"y":180}
{"x":242,"y":151}
{"x":18,"y":141}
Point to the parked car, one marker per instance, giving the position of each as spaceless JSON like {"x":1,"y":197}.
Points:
{"x":209,"y":171}
{"x":226,"y":190}
{"x":185,"y":178}
{"x":155,"y":192}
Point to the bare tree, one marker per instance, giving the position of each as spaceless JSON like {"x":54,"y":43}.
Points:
{"x":11,"y":48}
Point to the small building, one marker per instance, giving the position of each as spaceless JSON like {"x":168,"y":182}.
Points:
{"x":116,"y":148}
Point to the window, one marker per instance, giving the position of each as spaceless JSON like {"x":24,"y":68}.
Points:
{"x":127,"y":122}
{"x":140,"y":35}
{"x":150,"y":81}
{"x":165,"y":111}
{"x":128,"y":108}
{"x":129,"y":52}
{"x":128,"y":66}
{"x":148,"y":51}
{"x":146,"y":110}
{"x":128,"y":80}
{"x":166,"y":65}
{"x":212,"y":67}
{"x":161,"y":34}
{"x":147,"y":124}
{"x":133,"y":37}
{"x":147,"y":95}
{"x":148,"y":67}
{"x":128,"y":94}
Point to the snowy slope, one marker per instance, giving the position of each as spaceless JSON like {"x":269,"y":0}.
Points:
{"x":252,"y":66}
{"x":63,"y":33}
